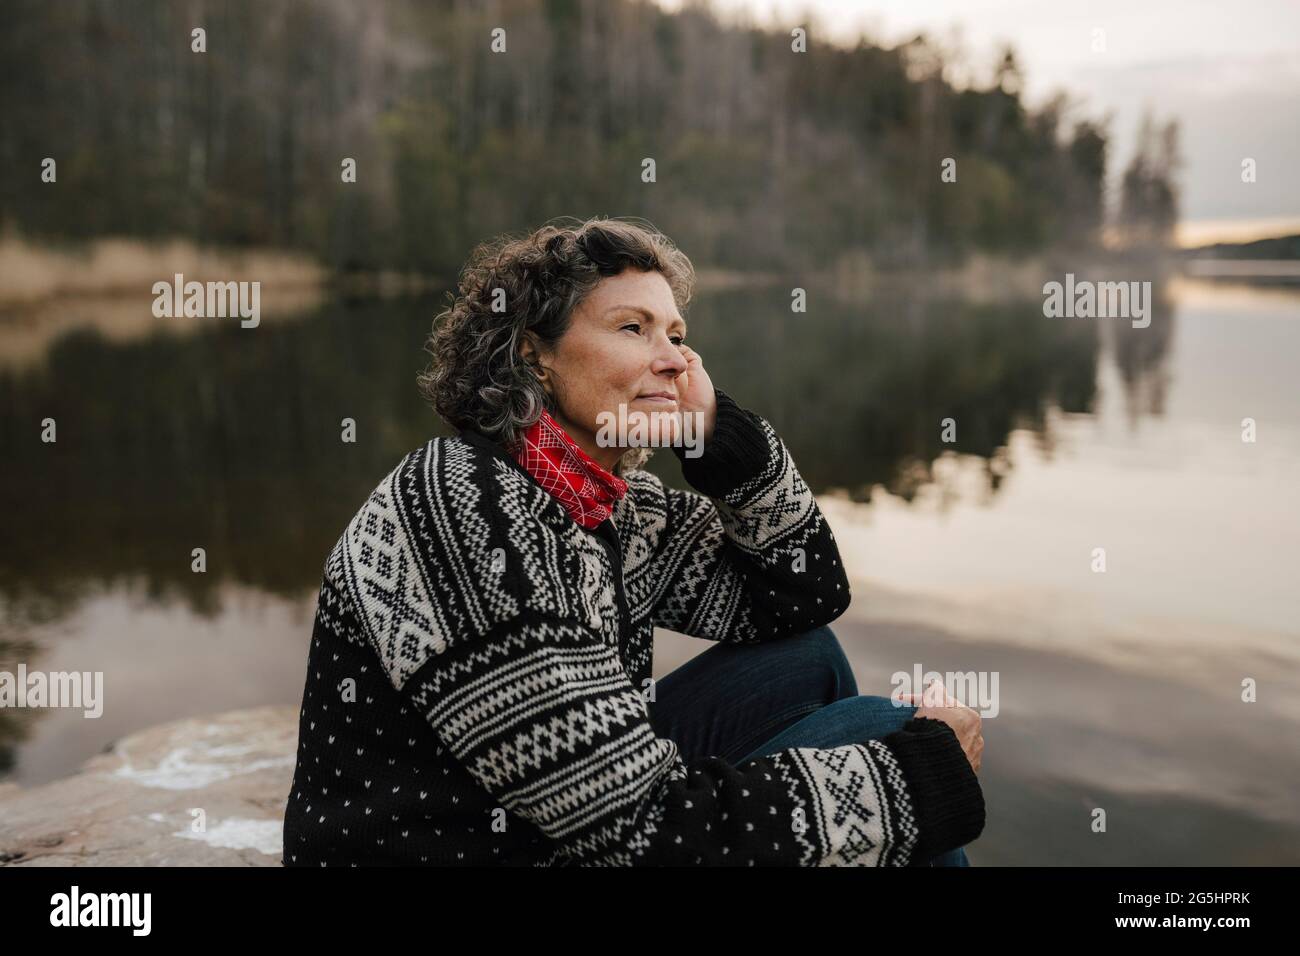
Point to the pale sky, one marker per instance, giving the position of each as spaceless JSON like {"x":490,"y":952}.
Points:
{"x":1229,"y":71}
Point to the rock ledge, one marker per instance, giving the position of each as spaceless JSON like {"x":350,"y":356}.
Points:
{"x":208,"y":791}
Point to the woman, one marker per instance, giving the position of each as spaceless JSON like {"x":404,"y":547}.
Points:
{"x":478,"y":686}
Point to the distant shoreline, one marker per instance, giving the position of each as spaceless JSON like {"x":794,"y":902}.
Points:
{"x":35,"y":275}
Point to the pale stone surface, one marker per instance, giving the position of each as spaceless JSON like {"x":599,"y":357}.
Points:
{"x":135,"y":804}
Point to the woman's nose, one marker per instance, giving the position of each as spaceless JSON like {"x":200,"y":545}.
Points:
{"x":669,"y":357}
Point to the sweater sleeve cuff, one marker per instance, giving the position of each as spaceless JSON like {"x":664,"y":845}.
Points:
{"x":945,"y":792}
{"x":737,"y":452}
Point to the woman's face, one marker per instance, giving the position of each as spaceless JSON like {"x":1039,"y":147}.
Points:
{"x":621,"y":347}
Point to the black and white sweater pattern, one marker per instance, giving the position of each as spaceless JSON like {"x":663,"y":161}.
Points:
{"x":479,"y":677}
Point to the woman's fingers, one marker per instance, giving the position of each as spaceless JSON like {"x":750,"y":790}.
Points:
{"x":931,"y":698}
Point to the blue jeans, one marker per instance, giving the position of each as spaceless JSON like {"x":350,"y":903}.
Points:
{"x":740,"y":701}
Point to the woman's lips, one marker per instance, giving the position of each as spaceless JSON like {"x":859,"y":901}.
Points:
{"x":657,"y":398}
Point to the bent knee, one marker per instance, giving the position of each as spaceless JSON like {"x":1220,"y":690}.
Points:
{"x":828,"y":653}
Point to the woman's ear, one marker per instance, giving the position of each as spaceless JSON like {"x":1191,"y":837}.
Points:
{"x":528,"y":352}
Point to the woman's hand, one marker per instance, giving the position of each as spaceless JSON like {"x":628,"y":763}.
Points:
{"x":937,"y":704}
{"x":695,"y":394}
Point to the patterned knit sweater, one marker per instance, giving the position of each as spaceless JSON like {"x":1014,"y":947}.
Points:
{"x":480,"y":670}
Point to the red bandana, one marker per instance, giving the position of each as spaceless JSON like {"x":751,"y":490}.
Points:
{"x":586,"y":490}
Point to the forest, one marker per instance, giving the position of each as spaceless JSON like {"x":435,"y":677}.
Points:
{"x":235,"y":123}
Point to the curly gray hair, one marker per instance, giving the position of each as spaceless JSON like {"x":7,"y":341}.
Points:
{"x":478,"y":378}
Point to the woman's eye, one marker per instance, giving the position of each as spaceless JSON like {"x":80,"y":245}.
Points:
{"x":676,"y":339}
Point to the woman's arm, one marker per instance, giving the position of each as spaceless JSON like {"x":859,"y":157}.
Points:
{"x":542,"y":715}
{"x":750,"y":557}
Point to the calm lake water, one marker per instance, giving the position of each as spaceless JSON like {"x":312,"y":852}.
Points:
{"x":1118,"y":690}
